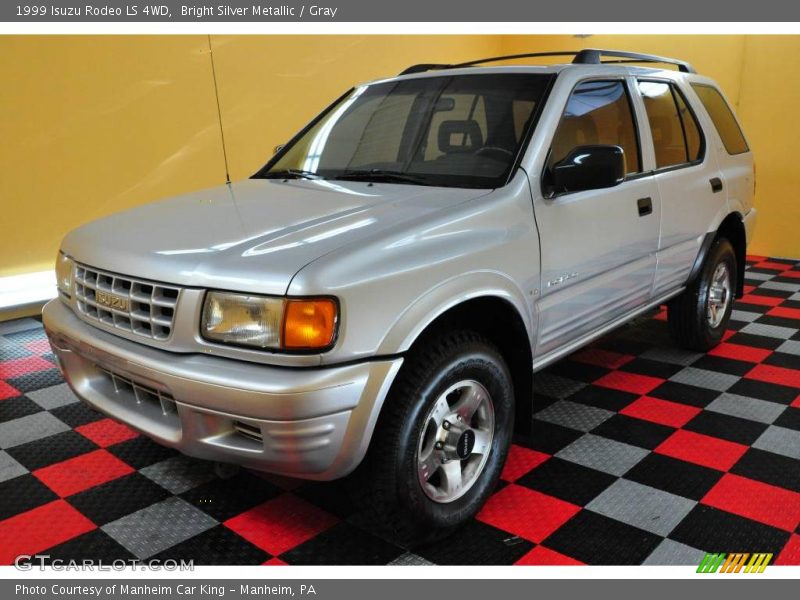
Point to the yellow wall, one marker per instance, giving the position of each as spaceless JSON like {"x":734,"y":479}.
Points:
{"x":92,"y":125}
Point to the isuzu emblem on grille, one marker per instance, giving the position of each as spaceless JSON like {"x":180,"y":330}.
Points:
{"x":110,"y":300}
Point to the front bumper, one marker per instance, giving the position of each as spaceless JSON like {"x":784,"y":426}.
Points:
{"x":313,"y":423}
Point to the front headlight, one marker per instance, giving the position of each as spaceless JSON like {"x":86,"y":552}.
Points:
{"x":64,"y":268}
{"x":268,"y":322}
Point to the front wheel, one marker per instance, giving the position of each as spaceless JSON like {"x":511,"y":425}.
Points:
{"x":442,"y":438}
{"x":699,"y":317}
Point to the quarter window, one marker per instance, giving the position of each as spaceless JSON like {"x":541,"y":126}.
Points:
{"x":723,"y":118}
{"x":676,"y":135}
{"x":598,"y":112}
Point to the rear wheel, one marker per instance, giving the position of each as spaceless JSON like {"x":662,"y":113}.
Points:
{"x":699,"y":317}
{"x":441,"y":440}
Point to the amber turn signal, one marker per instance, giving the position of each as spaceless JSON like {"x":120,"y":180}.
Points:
{"x":309,"y":323}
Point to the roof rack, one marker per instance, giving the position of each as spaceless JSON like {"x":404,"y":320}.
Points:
{"x":589,"y":56}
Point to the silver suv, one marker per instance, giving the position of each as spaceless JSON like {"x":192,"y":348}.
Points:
{"x":380,"y":294}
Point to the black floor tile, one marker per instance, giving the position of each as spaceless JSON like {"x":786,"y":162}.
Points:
{"x":598,"y":540}
{"x":216,"y":546}
{"x":115,"y":499}
{"x":674,"y":476}
{"x":713,"y":530}
{"x":343,"y":544}
{"x":50,"y":450}
{"x":476,"y":544}
{"x":567,"y":481}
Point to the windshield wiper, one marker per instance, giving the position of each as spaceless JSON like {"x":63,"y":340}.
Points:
{"x":380,"y":175}
{"x":291,"y":174}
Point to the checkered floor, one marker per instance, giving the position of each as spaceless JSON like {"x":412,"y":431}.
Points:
{"x":641,"y":453}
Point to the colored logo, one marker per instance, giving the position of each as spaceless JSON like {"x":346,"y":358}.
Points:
{"x":734,"y":563}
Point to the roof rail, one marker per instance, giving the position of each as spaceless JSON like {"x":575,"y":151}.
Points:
{"x":594,"y":56}
{"x":589,"y":56}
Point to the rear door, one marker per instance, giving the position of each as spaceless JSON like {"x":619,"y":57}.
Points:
{"x":688,"y":178}
{"x":598,"y":247}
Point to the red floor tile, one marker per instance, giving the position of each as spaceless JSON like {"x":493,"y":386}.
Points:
{"x":662,"y":412}
{"x":6,"y":391}
{"x":82,"y":472}
{"x":281,"y":524}
{"x":773,"y":374}
{"x":761,"y":300}
{"x":755,"y":500}
{"x":275,"y":562}
{"x":22,"y":366}
{"x":38,"y":346}
{"x":544,"y":556}
{"x":521,"y":460}
{"x":755,"y":258}
{"x":749,"y":288}
{"x":629,"y":382}
{"x":702,"y":450}
{"x":792,"y":274}
{"x":796,"y":402}
{"x":39,"y":529}
{"x":790,"y":555}
{"x":106,"y":432}
{"x":602,"y":358}
{"x":773,"y":266}
{"x":740,"y":352}
{"x":526,"y":513}
{"x":786,"y":313}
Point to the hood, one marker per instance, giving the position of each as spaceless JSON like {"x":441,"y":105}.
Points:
{"x":251,"y":236}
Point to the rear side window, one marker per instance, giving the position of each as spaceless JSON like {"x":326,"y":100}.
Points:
{"x":723,"y":118}
{"x":598,"y":112}
{"x":676,"y":135}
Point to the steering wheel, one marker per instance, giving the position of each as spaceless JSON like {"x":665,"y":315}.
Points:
{"x":495,"y":153}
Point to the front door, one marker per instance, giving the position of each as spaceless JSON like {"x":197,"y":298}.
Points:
{"x":598,"y":247}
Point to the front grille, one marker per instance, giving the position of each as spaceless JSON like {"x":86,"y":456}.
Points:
{"x":141,"y":307}
{"x":141,"y":393}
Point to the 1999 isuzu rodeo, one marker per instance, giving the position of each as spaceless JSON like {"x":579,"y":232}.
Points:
{"x":380,"y":294}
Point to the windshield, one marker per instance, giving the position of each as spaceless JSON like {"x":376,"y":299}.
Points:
{"x":456,"y":131}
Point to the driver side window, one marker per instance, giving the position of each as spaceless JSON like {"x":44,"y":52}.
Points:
{"x":598,"y":112}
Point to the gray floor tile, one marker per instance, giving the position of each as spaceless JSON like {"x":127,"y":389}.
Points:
{"x":642,"y":506}
{"x":9,"y":468}
{"x":554,"y":386}
{"x":30,"y":428}
{"x":758,"y":276}
{"x":781,"y":286}
{"x":409,"y":559}
{"x":670,"y":552}
{"x":789,"y":347}
{"x":745,"y":316}
{"x":180,"y":473}
{"x":159,"y":526}
{"x":17,"y":325}
{"x":603,"y":454}
{"x":704,"y":378}
{"x":780,"y":440}
{"x":53,"y":397}
{"x":672,"y":355}
{"x":574,"y":415}
{"x":746,"y":408}
{"x":773,"y":331}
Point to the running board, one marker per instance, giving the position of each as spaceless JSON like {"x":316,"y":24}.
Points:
{"x":555,"y":355}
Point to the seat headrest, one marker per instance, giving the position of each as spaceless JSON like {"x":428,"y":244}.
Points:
{"x":460,"y":136}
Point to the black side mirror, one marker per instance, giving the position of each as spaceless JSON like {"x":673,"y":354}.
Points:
{"x":588,"y":168}
{"x":278,"y":148}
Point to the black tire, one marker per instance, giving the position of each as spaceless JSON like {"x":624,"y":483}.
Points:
{"x":687,"y":314}
{"x":387,"y":483}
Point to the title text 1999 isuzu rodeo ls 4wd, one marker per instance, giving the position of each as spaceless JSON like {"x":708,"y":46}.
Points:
{"x":380,"y":294}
